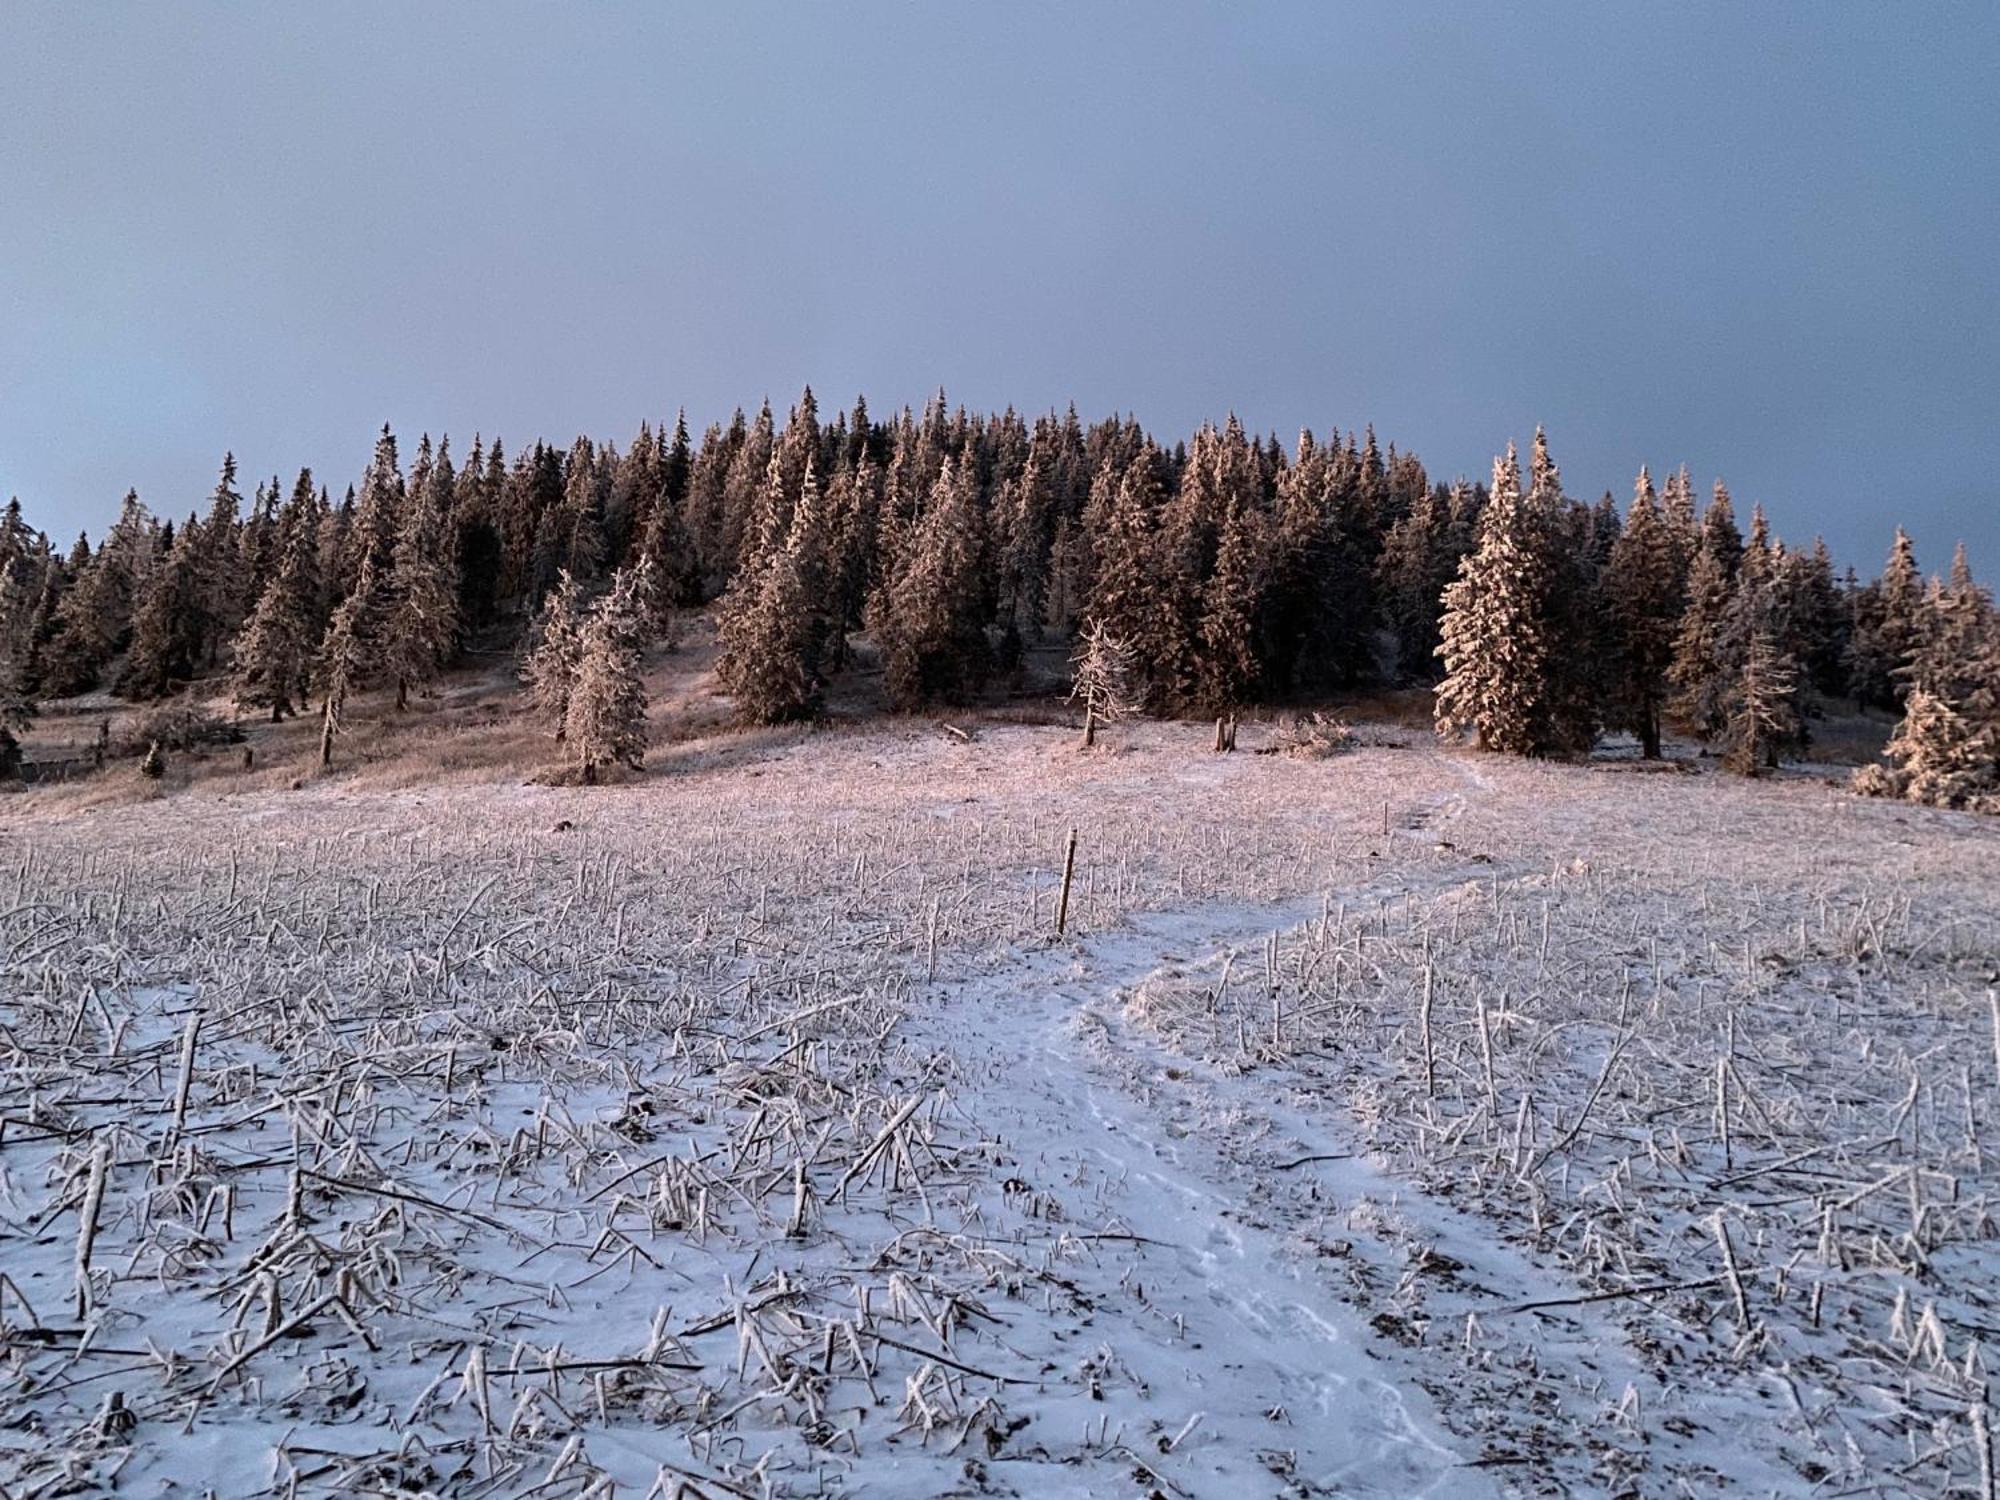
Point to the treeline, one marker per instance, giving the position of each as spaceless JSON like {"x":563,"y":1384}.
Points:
{"x":1226,"y":569}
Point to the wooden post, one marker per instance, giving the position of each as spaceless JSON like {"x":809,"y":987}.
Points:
{"x":1069,"y":874}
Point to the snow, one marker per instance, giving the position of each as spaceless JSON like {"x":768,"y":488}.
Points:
{"x":1162,"y":1206}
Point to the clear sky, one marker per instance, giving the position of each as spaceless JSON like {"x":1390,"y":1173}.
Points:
{"x":1763,"y":239}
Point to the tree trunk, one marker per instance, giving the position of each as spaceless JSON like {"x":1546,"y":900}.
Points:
{"x":1649,"y":735}
{"x":326,"y":736}
{"x":1089,"y":726}
{"x":402,"y":695}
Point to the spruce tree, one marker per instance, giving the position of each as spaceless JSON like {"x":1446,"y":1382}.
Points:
{"x":167,"y":629}
{"x":770,"y":624}
{"x":1500,"y":639}
{"x":274,"y":653}
{"x":928,"y":618}
{"x":1760,"y":712}
{"x":1127,"y":597}
{"x":606,"y":717}
{"x":421,"y":628}
{"x":343,"y":663}
{"x":555,"y":647}
{"x":1700,"y":674}
{"x":219,"y":597}
{"x":1888,"y":628}
{"x":1644,"y":601}
{"x":1757,"y":648}
{"x":1420,"y":557}
{"x":1226,"y":657}
{"x":1946,"y":750}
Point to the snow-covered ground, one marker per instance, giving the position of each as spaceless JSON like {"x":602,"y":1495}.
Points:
{"x":1404,"y":1123}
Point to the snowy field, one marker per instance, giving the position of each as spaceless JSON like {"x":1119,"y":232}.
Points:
{"x":1407,"y":1123}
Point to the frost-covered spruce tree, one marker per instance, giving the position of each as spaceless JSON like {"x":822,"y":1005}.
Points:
{"x":1225,"y":653}
{"x":344,"y":661}
{"x":1946,"y":750}
{"x":556,"y":645}
{"x":773,"y":675}
{"x":928,"y":618}
{"x":1103,"y":683}
{"x":1888,"y":628}
{"x":1761,"y":716}
{"x":378,"y":517}
{"x":1499,"y":636}
{"x":422,"y":625}
{"x":1420,"y":557}
{"x":1643,"y":594}
{"x":219,"y":579}
{"x":606,"y":720}
{"x":1127,"y":595}
{"x":1490,"y":637}
{"x":166,"y":628}
{"x":274,"y":652}
{"x":770,"y":621}
{"x":1700,"y":674}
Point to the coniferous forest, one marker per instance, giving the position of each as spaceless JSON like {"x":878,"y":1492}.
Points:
{"x":1220,"y":572}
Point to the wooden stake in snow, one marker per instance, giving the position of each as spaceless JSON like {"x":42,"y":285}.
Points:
{"x":1069,"y":875}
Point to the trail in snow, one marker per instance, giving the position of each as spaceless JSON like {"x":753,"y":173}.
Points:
{"x":1281,"y":1374}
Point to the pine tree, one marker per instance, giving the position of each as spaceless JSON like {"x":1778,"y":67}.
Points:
{"x":928,"y":618}
{"x":1757,"y":645}
{"x":378,"y":520}
{"x":1420,"y":557}
{"x":421,"y":630}
{"x":770,"y":624}
{"x":1127,"y":597}
{"x":1888,"y":628}
{"x":1700,"y":675}
{"x":1226,"y":658}
{"x":1935,"y":755}
{"x":344,"y":662}
{"x":94,"y":622}
{"x":274,"y":653}
{"x":1499,"y":640}
{"x":1644,"y":598}
{"x":166,"y":631}
{"x":606,"y":718}
{"x":1760,"y":713}
{"x":551,"y":664}
{"x":219,"y":597}
{"x":1946,"y":750}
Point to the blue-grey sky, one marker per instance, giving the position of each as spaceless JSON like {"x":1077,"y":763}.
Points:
{"x":1763,"y":239}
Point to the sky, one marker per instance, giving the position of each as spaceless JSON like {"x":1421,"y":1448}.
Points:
{"x":1762,"y":240}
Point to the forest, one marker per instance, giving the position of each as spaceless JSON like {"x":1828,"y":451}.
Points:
{"x":1198,"y":579}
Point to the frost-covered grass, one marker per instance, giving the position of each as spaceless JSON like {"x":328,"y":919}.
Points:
{"x":747,"y":1131}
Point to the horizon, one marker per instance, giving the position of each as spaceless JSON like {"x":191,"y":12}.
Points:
{"x":1740,"y":241}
